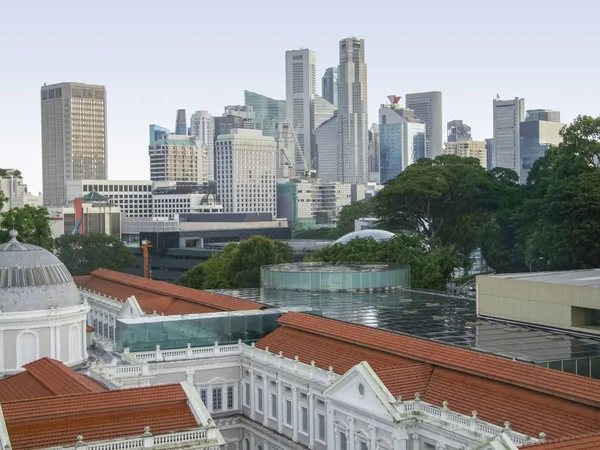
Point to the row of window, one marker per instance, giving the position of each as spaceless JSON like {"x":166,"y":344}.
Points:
{"x":217,"y":398}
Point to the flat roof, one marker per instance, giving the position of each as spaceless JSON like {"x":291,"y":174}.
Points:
{"x":582,"y":278}
{"x":438,"y":317}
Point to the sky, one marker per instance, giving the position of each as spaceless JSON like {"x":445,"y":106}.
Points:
{"x":156,"y":57}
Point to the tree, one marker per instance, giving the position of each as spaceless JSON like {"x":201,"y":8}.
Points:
{"x":3,"y":199}
{"x":351,"y":212}
{"x":32,"y":224}
{"x":84,"y":253}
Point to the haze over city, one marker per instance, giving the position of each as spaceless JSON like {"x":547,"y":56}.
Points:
{"x":155,"y":57}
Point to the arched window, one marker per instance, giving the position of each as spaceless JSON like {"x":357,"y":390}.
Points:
{"x":27,"y":348}
{"x":246,"y":444}
{"x":74,"y":343}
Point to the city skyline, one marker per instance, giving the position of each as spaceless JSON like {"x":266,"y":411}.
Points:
{"x":134,"y":104}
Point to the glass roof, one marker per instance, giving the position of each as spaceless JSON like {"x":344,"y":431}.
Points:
{"x":441,"y":318}
{"x":378,"y":235}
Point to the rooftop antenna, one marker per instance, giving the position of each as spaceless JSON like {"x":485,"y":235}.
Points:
{"x":498,"y":96}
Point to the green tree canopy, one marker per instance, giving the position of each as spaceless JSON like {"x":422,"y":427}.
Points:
{"x":84,"y":253}
{"x":32,"y":223}
{"x":351,"y":212}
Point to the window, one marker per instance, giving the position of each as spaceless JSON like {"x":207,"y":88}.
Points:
{"x":203,"y":396}
{"x":274,"y":406}
{"x":343,"y":441}
{"x":321,"y":427}
{"x":364,"y":446}
{"x":304,"y":419}
{"x":230,"y":397}
{"x":217,"y":399}
{"x":259,"y":399}
{"x":247,"y":394}
{"x":288,"y":412}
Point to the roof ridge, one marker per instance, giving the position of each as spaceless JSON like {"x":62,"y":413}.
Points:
{"x":74,"y":376}
{"x":562,"y":439}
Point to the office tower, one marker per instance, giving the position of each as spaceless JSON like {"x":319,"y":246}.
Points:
{"x":245,"y":112}
{"x":299,"y":100}
{"x":468,"y":148}
{"x":374,"y":153}
{"x":246,"y":169}
{"x":489,"y":150}
{"x":324,"y":111}
{"x":401,"y":140}
{"x":326,"y":145}
{"x":73,"y":137}
{"x":353,"y":123}
{"x":202,"y":126}
{"x":266,"y":110}
{"x":181,"y":122}
{"x":428,"y":107}
{"x":458,"y":131}
{"x":157,"y":133}
{"x":178,"y":158}
{"x":224,"y":125}
{"x":285,"y":143}
{"x":547,"y":115}
{"x":536,"y":137}
{"x":508,"y":115}
{"x":329,"y":86}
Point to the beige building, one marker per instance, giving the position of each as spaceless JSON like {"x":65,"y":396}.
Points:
{"x":73,"y":137}
{"x":567,"y":300}
{"x":179,"y":158}
{"x":467,"y":149}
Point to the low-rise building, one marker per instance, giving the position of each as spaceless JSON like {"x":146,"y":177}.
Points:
{"x":92,"y":213}
{"x":16,"y":192}
{"x":183,"y":198}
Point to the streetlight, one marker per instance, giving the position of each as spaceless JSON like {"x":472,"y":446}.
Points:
{"x":534,"y":260}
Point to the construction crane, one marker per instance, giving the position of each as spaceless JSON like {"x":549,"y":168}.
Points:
{"x":145,"y":245}
{"x":308,"y":170}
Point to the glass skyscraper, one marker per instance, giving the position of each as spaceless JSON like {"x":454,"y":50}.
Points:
{"x":157,"y":133}
{"x":267,"y":111}
{"x":329,"y":86}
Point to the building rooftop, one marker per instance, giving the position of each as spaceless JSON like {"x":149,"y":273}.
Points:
{"x":581,"y":278}
{"x":585,"y":442}
{"x":174,"y":143}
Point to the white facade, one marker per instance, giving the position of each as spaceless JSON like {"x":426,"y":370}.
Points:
{"x":353,"y":123}
{"x":508,"y":115}
{"x":300,"y":82}
{"x":202,"y":125}
{"x":171,"y":205}
{"x":428,"y":107}
{"x":245,"y":112}
{"x":468,"y":149}
{"x":246,"y":171}
{"x":73,"y":137}
{"x":286,"y":145}
{"x":16,"y":193}
{"x":178,"y":158}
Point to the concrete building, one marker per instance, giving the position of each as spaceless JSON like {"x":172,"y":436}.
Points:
{"x":267,"y":111}
{"x":374,"y":153}
{"x":246,"y":171}
{"x":93,"y":213}
{"x":458,"y":131}
{"x":202,"y":126}
{"x":16,"y":192}
{"x":508,"y":115}
{"x":401,"y":140}
{"x":468,"y":149}
{"x":324,"y":110}
{"x":300,"y":76}
{"x":536,"y":137}
{"x":183,"y":198}
{"x":428,"y":107}
{"x":179,"y":158}
{"x":547,"y":115}
{"x":157,"y":133}
{"x":489,"y":150}
{"x":245,"y":112}
{"x":326,"y":147}
{"x":353,"y":122}
{"x":73,"y":137}
{"x":329,"y":86}
{"x":181,"y":123}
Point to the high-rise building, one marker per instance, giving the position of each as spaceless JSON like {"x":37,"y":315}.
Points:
{"x":324,"y":111}
{"x":267,"y":111}
{"x":353,"y":123}
{"x":202,"y":126}
{"x":536,"y":137}
{"x":73,"y":137}
{"x":300,"y":67}
{"x":285,"y":143}
{"x":326,"y":149}
{"x":157,"y":133}
{"x":508,"y":115}
{"x":181,"y":122}
{"x":178,"y":158}
{"x":401,"y":140}
{"x":547,"y":115}
{"x":246,"y":171}
{"x":458,"y":131}
{"x":428,"y":107}
{"x":489,"y":151}
{"x":245,"y":112}
{"x":329,"y":86}
{"x":374,"y":153}
{"x":468,"y":148}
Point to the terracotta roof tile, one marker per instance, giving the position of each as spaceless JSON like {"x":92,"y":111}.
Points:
{"x":407,"y":380}
{"x":21,"y":386}
{"x":100,"y":416}
{"x":585,"y":442}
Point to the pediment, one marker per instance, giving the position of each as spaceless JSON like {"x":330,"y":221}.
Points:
{"x":131,"y":309}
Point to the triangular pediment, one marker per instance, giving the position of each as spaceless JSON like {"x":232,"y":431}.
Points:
{"x":131,"y":309}
{"x":361,"y":389}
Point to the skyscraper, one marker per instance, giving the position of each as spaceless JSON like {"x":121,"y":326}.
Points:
{"x":202,"y":126}
{"x":489,"y":150}
{"x":178,"y":158}
{"x":245,"y":112}
{"x":73,"y":137}
{"x":181,"y":122}
{"x":267,"y":111}
{"x":326,"y":149}
{"x":299,"y":99}
{"x":224,"y":125}
{"x":458,"y":131}
{"x":428,"y":107}
{"x":468,"y":148}
{"x":508,"y":115}
{"x":374,"y":153}
{"x":536,"y":137}
{"x":547,"y":115}
{"x":157,"y":133}
{"x":329,"y":86}
{"x":353,"y":123}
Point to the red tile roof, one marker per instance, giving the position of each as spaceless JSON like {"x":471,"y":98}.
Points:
{"x":46,"y":378}
{"x":531,"y":398}
{"x":585,"y":442}
{"x":57,"y":421}
{"x":164,"y":298}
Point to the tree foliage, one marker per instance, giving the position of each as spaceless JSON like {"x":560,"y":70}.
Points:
{"x":238,"y":266}
{"x":84,"y":253}
{"x":351,"y":212}
{"x":32,"y":224}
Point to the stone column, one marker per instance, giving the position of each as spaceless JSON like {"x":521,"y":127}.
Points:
{"x":295,"y":414}
{"x":52,"y":344}
{"x":279,"y":407}
{"x":265,"y":401}
{"x":415,"y":441}
{"x":58,"y":344}
{"x":190,"y":377}
{"x":236,"y":396}
{"x":400,"y":443}
{"x":329,"y":421}
{"x":372,"y":437}
{"x":84,"y":354}
{"x":351,"y":436}
{"x":209,"y":395}
{"x":311,"y":421}
{"x":252,"y":394}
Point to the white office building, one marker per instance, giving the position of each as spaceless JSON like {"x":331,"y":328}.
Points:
{"x":353,"y":123}
{"x":202,"y":126}
{"x":508,"y":115}
{"x":170,"y":201}
{"x":245,"y":112}
{"x":428,"y":107}
{"x":246,"y":171}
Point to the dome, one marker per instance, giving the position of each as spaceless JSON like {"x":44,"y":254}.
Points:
{"x":378,"y":235}
{"x":33,"y":279}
